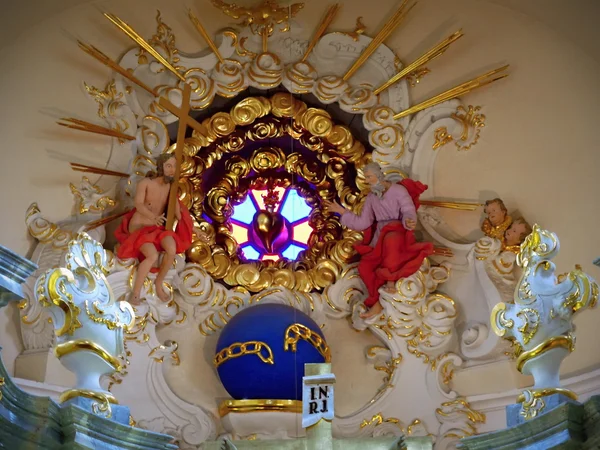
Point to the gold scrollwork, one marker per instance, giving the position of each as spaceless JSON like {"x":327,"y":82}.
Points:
{"x":170,"y":349}
{"x":415,"y":76}
{"x":453,"y":410}
{"x":245,"y":348}
{"x":97,"y":315}
{"x":59,"y":297}
{"x":90,"y":198}
{"x":104,"y":400}
{"x":531,"y":322}
{"x":77,"y":345}
{"x":164,"y":41}
{"x":359,"y":29}
{"x":297,"y":331}
{"x":498,"y":318}
{"x":567,"y":342}
{"x":469,"y":118}
{"x":262,"y":18}
{"x":442,"y":137}
{"x":389,"y":366}
{"x":532,"y":402}
{"x":109,"y":101}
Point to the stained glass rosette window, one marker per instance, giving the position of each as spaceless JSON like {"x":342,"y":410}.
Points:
{"x":289,"y":234}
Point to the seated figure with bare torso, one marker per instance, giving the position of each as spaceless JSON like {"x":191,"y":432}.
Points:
{"x":142,"y":232}
{"x":389,"y":250}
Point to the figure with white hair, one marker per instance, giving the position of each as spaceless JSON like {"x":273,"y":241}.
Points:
{"x":389,"y":250}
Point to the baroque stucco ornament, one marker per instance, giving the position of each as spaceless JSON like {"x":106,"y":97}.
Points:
{"x":418,"y":333}
{"x":89,"y":323}
{"x":540,"y":320}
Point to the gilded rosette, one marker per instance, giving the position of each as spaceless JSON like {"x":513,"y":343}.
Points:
{"x":378,"y":116}
{"x":299,"y":77}
{"x":388,"y":140}
{"x":358,"y":99}
{"x":330,"y":89}
{"x":203,"y":88}
{"x":265,"y":71}
{"x":229,"y":78}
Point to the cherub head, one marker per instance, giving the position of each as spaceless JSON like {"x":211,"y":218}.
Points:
{"x":165,"y":166}
{"x":496,"y":211}
{"x":517,"y":232}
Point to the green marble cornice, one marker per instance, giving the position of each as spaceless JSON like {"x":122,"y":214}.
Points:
{"x":29,"y":422}
{"x":14,"y":270}
{"x":570,"y":425}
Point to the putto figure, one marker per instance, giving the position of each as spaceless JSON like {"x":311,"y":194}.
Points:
{"x":515,"y":235}
{"x":497,"y":221}
{"x":389,"y":250}
{"x":142,"y":232}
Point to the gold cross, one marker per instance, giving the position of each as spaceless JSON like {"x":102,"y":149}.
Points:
{"x":184,"y":121}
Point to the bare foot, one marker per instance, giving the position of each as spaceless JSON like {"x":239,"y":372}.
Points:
{"x":390,"y":287}
{"x":373,"y":311}
{"x":160,"y":291}
{"x":134,"y":299}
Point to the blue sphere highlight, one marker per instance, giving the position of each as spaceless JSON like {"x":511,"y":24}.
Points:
{"x":247,"y":376}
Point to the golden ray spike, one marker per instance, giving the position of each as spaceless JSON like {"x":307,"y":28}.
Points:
{"x":97,"y":170}
{"x":94,"y":52}
{"x":265,"y":40}
{"x":425,"y":58}
{"x":104,"y":220}
{"x":381,"y":36}
{"x":329,"y":16}
{"x":461,"y":206}
{"x":205,"y":35}
{"x":455,"y":92}
{"x":133,"y":35}
{"x":81,"y":125}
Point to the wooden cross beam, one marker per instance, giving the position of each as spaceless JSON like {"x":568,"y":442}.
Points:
{"x":185,"y":120}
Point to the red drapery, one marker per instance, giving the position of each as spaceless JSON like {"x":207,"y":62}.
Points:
{"x":397,"y":254}
{"x":130,"y":243}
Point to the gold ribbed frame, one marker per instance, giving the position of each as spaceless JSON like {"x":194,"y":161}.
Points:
{"x":335,"y":152}
{"x":260,"y":405}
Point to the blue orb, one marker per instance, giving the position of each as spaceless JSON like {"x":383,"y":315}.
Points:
{"x":251,"y":358}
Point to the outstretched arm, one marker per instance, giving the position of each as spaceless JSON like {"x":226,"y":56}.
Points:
{"x":351,"y":220}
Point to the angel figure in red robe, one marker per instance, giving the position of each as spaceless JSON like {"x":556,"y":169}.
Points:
{"x":389,"y":250}
{"x":142,"y":232}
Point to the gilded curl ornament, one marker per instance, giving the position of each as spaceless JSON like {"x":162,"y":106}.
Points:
{"x":321,"y":160}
